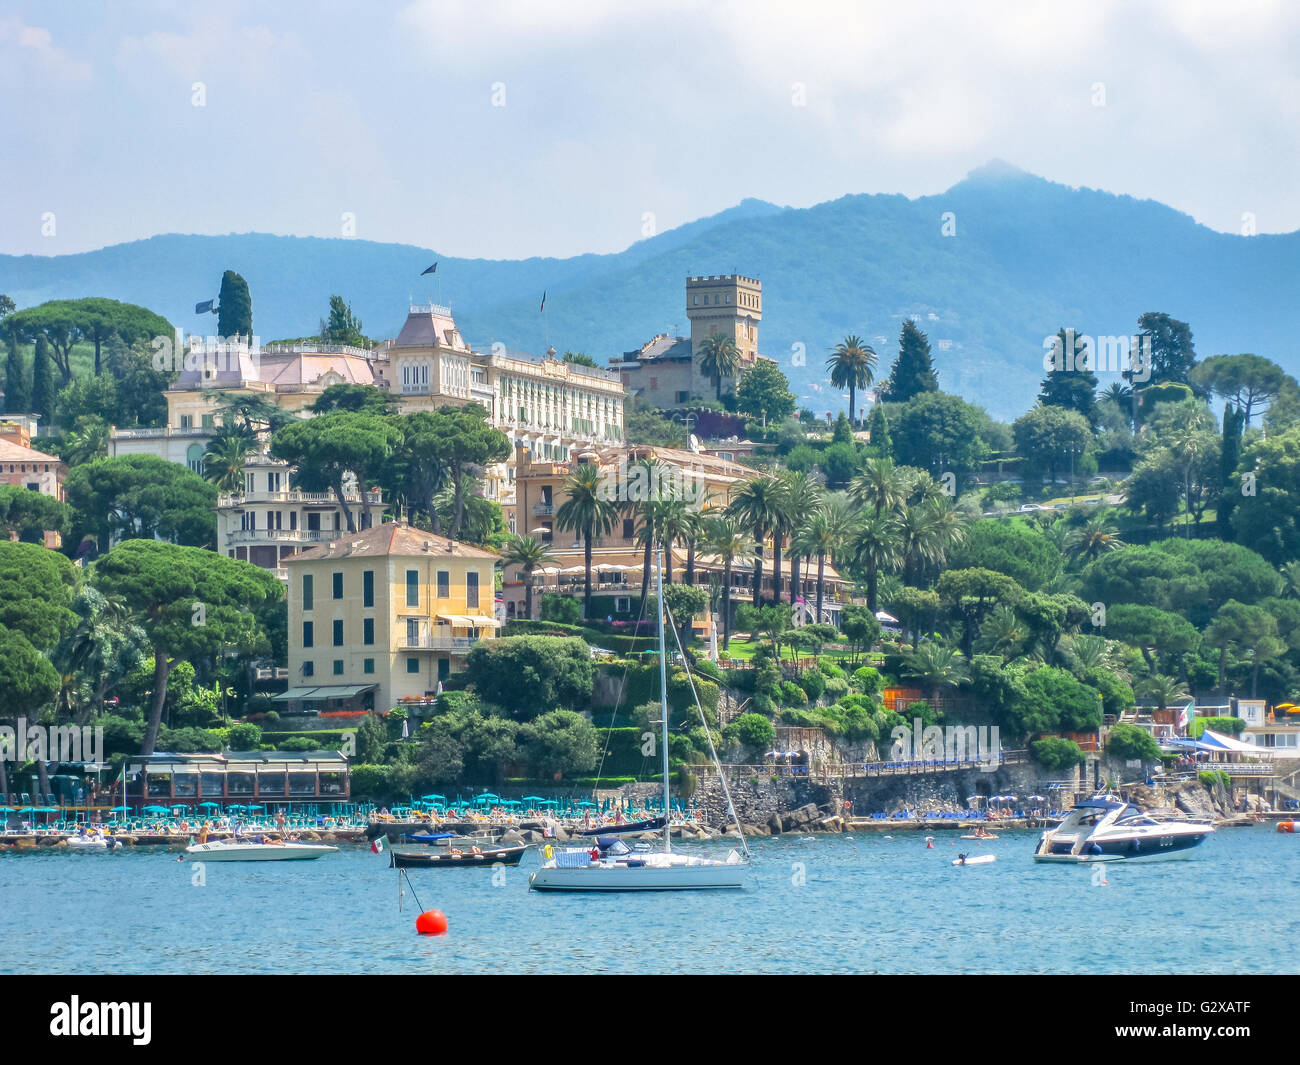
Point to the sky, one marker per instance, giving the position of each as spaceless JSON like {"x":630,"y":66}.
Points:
{"x":517,"y":128}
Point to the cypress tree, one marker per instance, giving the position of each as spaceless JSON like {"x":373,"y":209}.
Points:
{"x":235,"y":317}
{"x":42,"y":380}
{"x":18,"y":396}
{"x":1234,"y":421}
{"x":878,"y":427}
{"x":913,"y":370}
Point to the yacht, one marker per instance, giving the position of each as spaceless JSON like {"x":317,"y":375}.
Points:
{"x":609,"y":864}
{"x":1107,"y":829}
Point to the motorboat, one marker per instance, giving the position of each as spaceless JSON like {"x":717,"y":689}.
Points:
{"x":975,"y":859}
{"x":1107,"y":829}
{"x":245,"y":850}
{"x":611,"y":865}
{"x":92,"y":843}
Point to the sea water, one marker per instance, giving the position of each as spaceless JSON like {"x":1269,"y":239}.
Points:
{"x":833,"y":904}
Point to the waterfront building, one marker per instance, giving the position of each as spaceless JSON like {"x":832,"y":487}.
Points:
{"x":22,"y":466}
{"x":665,"y":371}
{"x":264,"y":778}
{"x":384,"y":615}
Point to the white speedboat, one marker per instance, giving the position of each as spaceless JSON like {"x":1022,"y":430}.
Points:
{"x":1107,"y":829}
{"x":975,"y":859}
{"x":92,"y":844}
{"x":610,"y":865}
{"x":250,"y":851}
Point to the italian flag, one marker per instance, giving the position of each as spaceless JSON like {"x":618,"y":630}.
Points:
{"x":379,"y":845}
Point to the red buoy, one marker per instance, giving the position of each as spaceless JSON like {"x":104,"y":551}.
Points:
{"x":431,"y":923}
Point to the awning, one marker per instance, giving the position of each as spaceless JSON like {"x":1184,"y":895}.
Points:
{"x":1221,"y":742}
{"x":465,"y":621}
{"x":293,"y":693}
{"x":336,"y":691}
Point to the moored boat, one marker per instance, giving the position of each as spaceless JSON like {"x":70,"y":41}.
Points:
{"x":1107,"y":829}
{"x":250,"y":851}
{"x":451,"y":857}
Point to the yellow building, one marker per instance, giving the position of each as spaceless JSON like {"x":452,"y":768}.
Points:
{"x":382,"y":616}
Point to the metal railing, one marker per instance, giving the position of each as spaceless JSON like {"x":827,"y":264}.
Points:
{"x":460,"y":644}
{"x":846,"y":770}
{"x":269,"y":536}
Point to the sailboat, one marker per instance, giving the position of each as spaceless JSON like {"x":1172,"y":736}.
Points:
{"x":610,"y":865}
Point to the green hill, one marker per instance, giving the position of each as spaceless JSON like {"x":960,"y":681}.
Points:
{"x":1028,"y":256}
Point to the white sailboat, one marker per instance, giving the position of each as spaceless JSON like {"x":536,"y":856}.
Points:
{"x":614,"y":867}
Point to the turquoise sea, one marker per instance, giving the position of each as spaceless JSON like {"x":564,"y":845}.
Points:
{"x":861,"y":905}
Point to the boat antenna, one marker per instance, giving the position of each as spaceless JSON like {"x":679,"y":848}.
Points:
{"x":660,"y":607}
{"x":722,"y":777}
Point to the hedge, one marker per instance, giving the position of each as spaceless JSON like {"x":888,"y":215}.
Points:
{"x":595,"y":637}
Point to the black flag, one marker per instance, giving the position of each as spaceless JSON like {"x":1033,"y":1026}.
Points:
{"x":543,"y":306}
{"x":432,"y":270}
{"x":204,"y":308}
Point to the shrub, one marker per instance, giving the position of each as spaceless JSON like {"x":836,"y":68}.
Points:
{"x":831,"y":669}
{"x":298,"y":743}
{"x":1128,"y":742}
{"x":707,"y":668}
{"x":1054,"y":752}
{"x":792,"y":694}
{"x":1225,"y":725}
{"x":813,"y":683}
{"x":836,"y":686}
{"x":564,"y":608}
{"x":243,"y":737}
{"x":764,"y":705}
{"x":1210,"y":777}
{"x":753,"y":732}
{"x":371,"y":782}
{"x":868,"y":679}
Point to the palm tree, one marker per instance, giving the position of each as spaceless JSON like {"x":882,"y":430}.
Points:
{"x":876,"y":546}
{"x":723,"y":537}
{"x":1189,"y":443}
{"x":1163,"y":689}
{"x":527,"y":553}
{"x":86,"y":442}
{"x":852,"y":365}
{"x":674,"y":523}
{"x":824,"y":535}
{"x":803,"y":497}
{"x":880,"y":486}
{"x":719,"y":358}
{"x":760,"y":504}
{"x":1004,"y":633}
{"x":1096,"y":537}
{"x":587,"y":512}
{"x":223,"y":464}
{"x":917,"y":538}
{"x":935,"y":664}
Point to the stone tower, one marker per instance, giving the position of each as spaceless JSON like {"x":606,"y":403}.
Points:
{"x":726,"y":303}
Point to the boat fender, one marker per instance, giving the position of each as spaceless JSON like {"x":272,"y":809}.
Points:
{"x":1137,"y":845}
{"x":548,"y":852}
{"x":1095,"y":849}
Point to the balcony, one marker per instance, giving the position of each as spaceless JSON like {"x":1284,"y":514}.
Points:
{"x":281,"y":536}
{"x":193,"y":431}
{"x":317,"y":499}
{"x":454,"y":644}
{"x":543,"y":508}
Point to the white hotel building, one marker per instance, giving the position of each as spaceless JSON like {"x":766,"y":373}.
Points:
{"x":551,"y":408}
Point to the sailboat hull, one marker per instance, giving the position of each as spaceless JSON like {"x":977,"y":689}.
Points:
{"x":713,"y":877}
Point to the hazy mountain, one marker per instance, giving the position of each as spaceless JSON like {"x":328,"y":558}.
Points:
{"x":1027,"y":257}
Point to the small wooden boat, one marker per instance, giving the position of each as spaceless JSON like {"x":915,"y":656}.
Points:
{"x":451,"y":856}
{"x":974,"y":859}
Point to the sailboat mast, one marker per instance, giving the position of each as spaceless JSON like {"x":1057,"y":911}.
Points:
{"x":663,"y":685}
